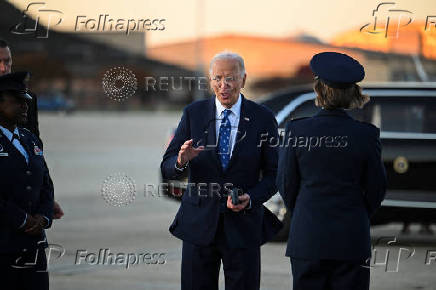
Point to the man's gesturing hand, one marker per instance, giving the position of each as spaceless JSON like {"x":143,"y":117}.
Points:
{"x":188,"y":152}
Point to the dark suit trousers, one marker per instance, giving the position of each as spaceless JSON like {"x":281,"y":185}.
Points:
{"x":329,"y":275}
{"x":26,"y":271}
{"x":201,"y":265}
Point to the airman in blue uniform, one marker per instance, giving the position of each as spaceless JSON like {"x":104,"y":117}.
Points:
{"x":332,"y":179}
{"x":26,"y":196}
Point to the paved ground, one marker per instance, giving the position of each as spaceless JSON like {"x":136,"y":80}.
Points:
{"x":85,"y":148}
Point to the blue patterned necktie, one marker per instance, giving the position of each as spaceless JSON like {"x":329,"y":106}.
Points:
{"x":224,"y":140}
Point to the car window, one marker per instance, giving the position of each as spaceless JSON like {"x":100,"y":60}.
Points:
{"x":400,"y":114}
{"x":403,"y":114}
{"x":393,"y":114}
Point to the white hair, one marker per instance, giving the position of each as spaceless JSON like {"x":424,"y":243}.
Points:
{"x":228,"y":55}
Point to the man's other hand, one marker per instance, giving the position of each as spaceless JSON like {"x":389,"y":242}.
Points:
{"x":243,"y":199}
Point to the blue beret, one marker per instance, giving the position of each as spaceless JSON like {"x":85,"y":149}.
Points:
{"x":15,"y":83}
{"x":337,"y":70}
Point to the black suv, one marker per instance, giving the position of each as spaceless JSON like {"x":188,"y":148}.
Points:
{"x":406,"y":116}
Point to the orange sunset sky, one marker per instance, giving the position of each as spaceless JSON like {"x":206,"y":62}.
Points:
{"x":189,"y":19}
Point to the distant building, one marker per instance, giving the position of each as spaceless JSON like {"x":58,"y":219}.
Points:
{"x":74,"y":64}
{"x":274,"y":63}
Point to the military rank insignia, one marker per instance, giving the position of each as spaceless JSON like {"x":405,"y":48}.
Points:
{"x":37,"y":150}
{"x":2,"y":153}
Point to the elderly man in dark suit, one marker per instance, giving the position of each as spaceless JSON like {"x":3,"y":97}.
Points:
{"x":26,"y":196}
{"x":219,"y":141}
{"x":332,"y":179}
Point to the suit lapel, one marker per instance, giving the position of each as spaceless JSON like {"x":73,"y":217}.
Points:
{"x":210,"y":134}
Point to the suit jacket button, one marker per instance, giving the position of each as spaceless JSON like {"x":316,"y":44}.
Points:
{"x":29,"y":188}
{"x":28,"y":172}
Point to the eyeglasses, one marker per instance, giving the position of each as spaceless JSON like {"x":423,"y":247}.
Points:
{"x":227,"y":80}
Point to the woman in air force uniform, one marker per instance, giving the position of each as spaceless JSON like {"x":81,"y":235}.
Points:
{"x":332,"y":179}
{"x":26,"y":195}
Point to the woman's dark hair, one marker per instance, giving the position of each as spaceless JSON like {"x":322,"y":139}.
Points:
{"x":335,"y":98}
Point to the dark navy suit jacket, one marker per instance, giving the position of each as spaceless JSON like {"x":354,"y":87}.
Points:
{"x":332,"y":179}
{"x":252,"y":167}
{"x":24,"y":188}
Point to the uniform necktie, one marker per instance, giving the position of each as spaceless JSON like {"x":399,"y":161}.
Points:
{"x":15,"y":136}
{"x":20,"y":147}
{"x":224,"y":140}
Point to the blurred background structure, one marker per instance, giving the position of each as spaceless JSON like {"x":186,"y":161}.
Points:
{"x":71,"y":64}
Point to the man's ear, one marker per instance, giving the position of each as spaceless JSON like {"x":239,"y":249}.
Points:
{"x":243,"y":80}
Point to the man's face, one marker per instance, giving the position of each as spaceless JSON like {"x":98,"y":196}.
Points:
{"x":226,"y":81}
{"x":5,"y":61}
{"x":13,"y":109}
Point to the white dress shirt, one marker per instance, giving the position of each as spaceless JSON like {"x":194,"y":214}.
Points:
{"x":233,"y":118}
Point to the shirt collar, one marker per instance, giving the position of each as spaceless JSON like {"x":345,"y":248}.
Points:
{"x":236,"y":108}
{"x":8,"y":133}
{"x":333,"y":112}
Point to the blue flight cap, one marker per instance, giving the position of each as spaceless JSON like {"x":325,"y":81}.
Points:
{"x":15,"y":83}
{"x":337,"y":70}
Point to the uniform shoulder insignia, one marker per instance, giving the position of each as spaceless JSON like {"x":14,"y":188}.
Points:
{"x":298,"y":119}
{"x":367,"y":124}
{"x":28,"y":132}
